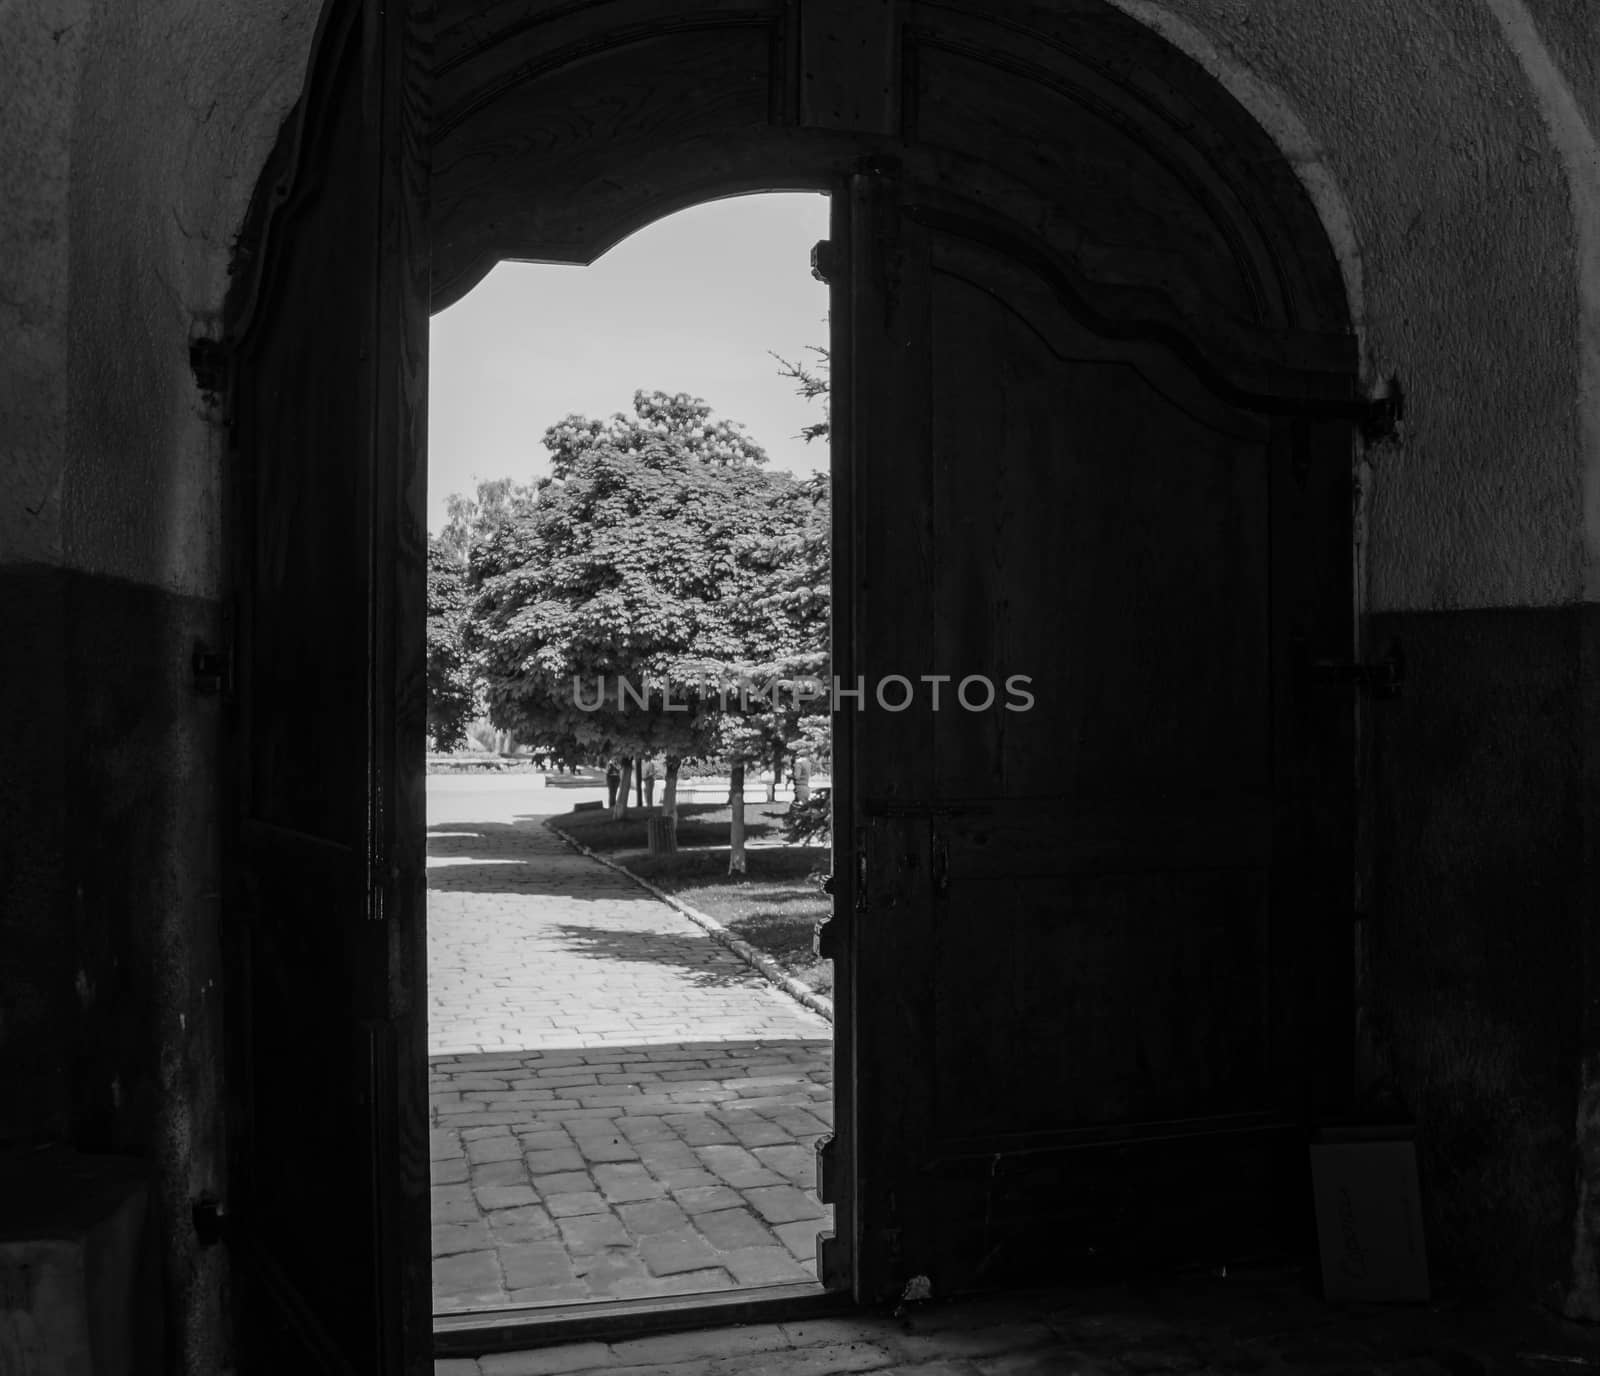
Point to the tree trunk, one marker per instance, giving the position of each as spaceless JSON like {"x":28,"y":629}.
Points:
{"x":669,"y":794}
{"x":620,"y":810}
{"x":664,"y":828}
{"x":638,"y":784}
{"x":736,"y":828}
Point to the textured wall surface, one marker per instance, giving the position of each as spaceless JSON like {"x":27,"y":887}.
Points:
{"x":40,"y":49}
{"x":1421,"y":121}
{"x":1451,"y":167}
{"x":36,"y":971}
{"x":130,"y":140}
{"x":1478,"y":949}
{"x":181,"y":103}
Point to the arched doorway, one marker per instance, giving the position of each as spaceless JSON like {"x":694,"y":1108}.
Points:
{"x":1094,"y":393}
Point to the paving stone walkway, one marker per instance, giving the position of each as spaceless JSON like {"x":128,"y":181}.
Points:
{"x":620,"y":1106}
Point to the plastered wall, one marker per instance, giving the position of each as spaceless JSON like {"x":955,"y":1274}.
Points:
{"x":1444,"y":139}
{"x":40,"y":49}
{"x":1428,"y":133}
{"x":178,"y":106}
{"x":130,"y":141}
{"x":1449,"y":168}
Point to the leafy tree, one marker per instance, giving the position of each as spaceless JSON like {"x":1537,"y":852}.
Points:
{"x":660,"y":554}
{"x":679,"y":422}
{"x":614,"y":574}
{"x":811,"y":820}
{"x":811,"y":382}
{"x":455,"y":697}
{"x":452,"y":699}
{"x":777,"y":613}
{"x":473,"y":520}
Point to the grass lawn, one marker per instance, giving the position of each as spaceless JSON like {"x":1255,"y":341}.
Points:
{"x":774,"y":905}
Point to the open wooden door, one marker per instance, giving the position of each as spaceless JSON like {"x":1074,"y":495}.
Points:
{"x":327,"y":1207}
{"x":1101,"y":811}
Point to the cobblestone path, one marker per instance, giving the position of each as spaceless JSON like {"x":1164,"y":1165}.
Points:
{"x":621,"y":1107}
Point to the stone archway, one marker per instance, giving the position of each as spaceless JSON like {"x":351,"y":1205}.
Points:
{"x":1150,"y":280}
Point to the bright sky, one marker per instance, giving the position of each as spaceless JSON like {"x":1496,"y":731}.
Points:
{"x":692,"y":303}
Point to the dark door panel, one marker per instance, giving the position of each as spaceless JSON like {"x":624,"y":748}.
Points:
{"x":1106,"y":849}
{"x":328,"y":1200}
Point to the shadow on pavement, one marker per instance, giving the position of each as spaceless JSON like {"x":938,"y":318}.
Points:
{"x":694,"y":826}
{"x":564,"y":905}
{"x":519,"y":857}
{"x":705,"y":963}
{"x":523,"y":856}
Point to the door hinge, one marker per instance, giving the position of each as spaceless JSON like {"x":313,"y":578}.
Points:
{"x":208,"y":361}
{"x":827,"y":1150}
{"x":861,"y":872}
{"x":1380,"y":419}
{"x":825,"y":932}
{"x":211,"y":1221}
{"x":824,"y":261}
{"x":833,"y":1263}
{"x":1382,"y":678}
{"x":825,"y":938}
{"x":212,"y":670}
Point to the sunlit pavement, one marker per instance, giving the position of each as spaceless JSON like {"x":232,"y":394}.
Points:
{"x":621,"y":1107}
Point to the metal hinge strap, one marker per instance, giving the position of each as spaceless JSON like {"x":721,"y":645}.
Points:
{"x":827,"y":1150}
{"x":1382,"y":678}
{"x":824,"y":261}
{"x":209,"y":360}
{"x":212,"y":670}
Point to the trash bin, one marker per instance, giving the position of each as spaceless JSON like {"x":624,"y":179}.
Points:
{"x":663,"y":835}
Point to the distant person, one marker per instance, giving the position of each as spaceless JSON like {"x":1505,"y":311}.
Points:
{"x":613,"y":783}
{"x":650,"y":771}
{"x":800,"y":772}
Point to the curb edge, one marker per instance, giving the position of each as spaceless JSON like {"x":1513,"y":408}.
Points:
{"x":764,"y":965}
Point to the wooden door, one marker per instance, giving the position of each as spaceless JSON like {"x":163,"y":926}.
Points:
{"x":1098,"y":927}
{"x":328,"y":1195}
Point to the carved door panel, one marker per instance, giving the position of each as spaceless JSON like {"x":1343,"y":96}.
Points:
{"x":328,"y":1197}
{"x":1103,"y":857}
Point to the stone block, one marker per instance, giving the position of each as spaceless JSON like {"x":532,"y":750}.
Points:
{"x":77,"y":1266}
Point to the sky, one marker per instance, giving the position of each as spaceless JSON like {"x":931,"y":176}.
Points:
{"x":692,"y":303}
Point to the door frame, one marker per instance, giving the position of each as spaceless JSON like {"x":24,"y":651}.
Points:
{"x":482,"y":1332}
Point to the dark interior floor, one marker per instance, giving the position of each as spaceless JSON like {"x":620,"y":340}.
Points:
{"x":1258,"y":1323}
